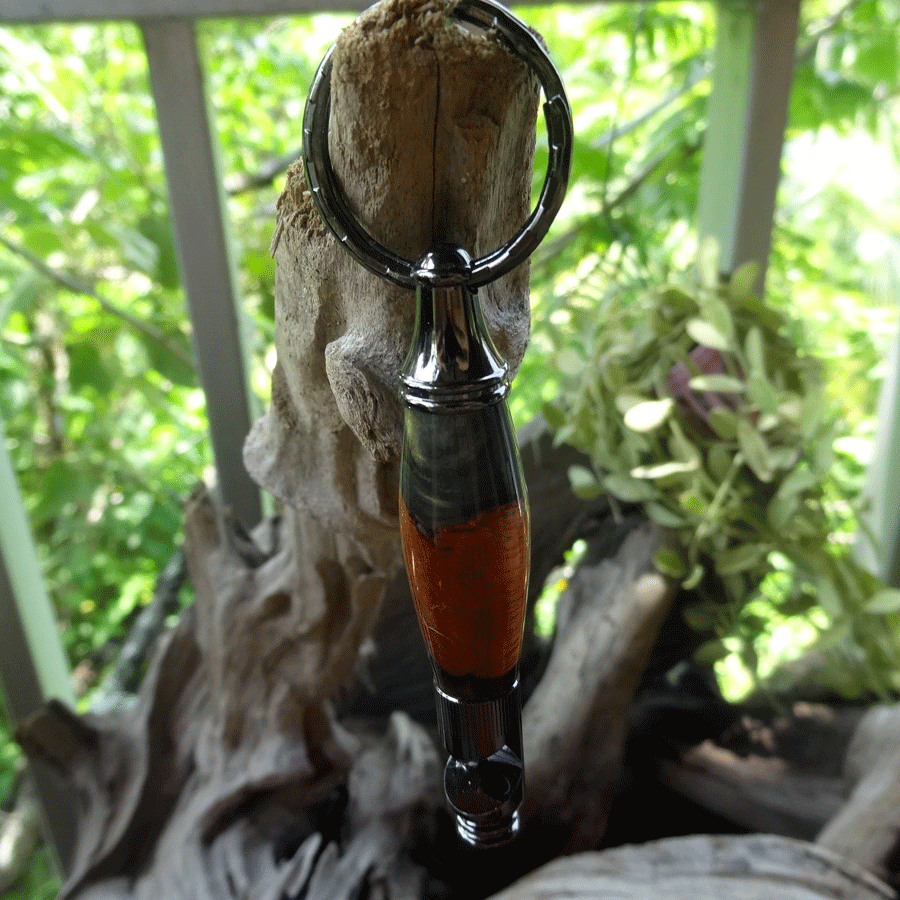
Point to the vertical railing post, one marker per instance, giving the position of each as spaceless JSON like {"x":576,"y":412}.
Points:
{"x":746,"y":124}
{"x":204,"y":250}
{"x":878,"y":547}
{"x":725,"y":124}
{"x":33,"y":666}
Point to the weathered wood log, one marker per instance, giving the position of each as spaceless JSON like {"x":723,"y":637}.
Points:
{"x":126,"y":769}
{"x":867,"y":828}
{"x":576,"y":721}
{"x":20,"y":836}
{"x":752,"y":867}
{"x":757,"y":793}
{"x":776,"y":773}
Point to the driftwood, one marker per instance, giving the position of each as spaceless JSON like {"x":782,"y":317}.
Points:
{"x":256,"y":761}
{"x":607,"y":622}
{"x":781,"y":776}
{"x":20,"y":835}
{"x":867,"y":828}
{"x":755,"y":867}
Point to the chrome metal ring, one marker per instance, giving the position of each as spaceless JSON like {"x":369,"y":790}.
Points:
{"x":515,"y":35}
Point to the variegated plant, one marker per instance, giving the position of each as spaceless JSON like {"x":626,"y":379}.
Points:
{"x":698,"y":406}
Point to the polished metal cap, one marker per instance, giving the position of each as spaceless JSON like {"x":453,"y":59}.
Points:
{"x":452,"y":363}
{"x":485,"y":797}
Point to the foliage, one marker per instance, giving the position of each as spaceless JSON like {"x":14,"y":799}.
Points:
{"x":105,"y":421}
{"x":697,"y":405}
{"x":101,"y":404}
{"x":41,"y":881}
{"x":834,"y":259}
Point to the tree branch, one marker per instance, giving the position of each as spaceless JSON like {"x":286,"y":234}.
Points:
{"x":263,"y":176}
{"x":77,"y":286}
{"x":702,"y":74}
{"x":820,"y":29}
{"x":686,"y":151}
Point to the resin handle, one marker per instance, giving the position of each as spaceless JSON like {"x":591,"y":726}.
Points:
{"x":465,"y":530}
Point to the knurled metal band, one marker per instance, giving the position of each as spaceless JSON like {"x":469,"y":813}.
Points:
{"x":473,"y":731}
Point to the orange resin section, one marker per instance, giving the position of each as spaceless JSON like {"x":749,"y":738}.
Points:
{"x":469,"y":585}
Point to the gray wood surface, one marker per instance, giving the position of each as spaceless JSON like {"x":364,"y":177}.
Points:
{"x":703,"y":867}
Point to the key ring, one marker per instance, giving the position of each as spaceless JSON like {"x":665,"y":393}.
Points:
{"x":517,"y":38}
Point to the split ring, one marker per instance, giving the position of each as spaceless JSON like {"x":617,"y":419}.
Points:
{"x":520,"y":41}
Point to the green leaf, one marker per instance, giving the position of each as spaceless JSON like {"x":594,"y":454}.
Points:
{"x":719,"y":384}
{"x":42,"y":240}
{"x":21,"y":296}
{"x":584,"y":483}
{"x":707,"y":335}
{"x":740,"y":558}
{"x":62,"y":484}
{"x":883,"y":602}
{"x":565,"y":435}
{"x":625,"y":402}
{"x":570,"y":362}
{"x":755,"y":350}
{"x":158,"y":230}
{"x":717,"y":314}
{"x":755,"y":449}
{"x":87,"y":368}
{"x":648,"y":415}
{"x":877,"y":57}
{"x":762,"y":392}
{"x":664,"y":470}
{"x":663,"y":516}
{"x":812,"y":412}
{"x":780,"y":509}
{"x":743,"y":280}
{"x":719,"y":458}
{"x":683,"y":449}
{"x":692,"y":503}
{"x":723,"y":422}
{"x":785,"y":458}
{"x":711,"y":652}
{"x":614,"y":375}
{"x":823,"y":457}
{"x":165,"y":363}
{"x":628,"y":490}
{"x":141,"y":252}
{"x":680,"y":302}
{"x":554,"y":416}
{"x":670,"y":563}
{"x":700,"y":617}
{"x":694,"y":578}
{"x":828,"y":598}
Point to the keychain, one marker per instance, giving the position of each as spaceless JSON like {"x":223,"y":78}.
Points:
{"x":463,"y":506}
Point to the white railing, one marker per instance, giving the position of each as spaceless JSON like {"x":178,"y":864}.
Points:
{"x":754,"y":63}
